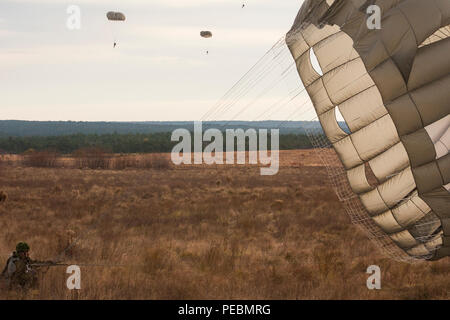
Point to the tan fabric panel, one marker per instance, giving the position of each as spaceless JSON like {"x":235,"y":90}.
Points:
{"x":411,"y":211}
{"x":347,"y":153}
{"x":335,"y":51}
{"x":439,"y":133}
{"x":388,"y":223}
{"x":358,"y":180}
{"x":296,"y":43}
{"x":319,"y":97}
{"x":347,"y":80}
{"x":422,"y":205}
{"x":374,"y":139}
{"x":314,"y":35}
{"x":404,"y":239}
{"x":306,"y":69}
{"x":397,"y":188}
{"x":436,"y":242}
{"x":373,"y":202}
{"x":431,"y":63}
{"x":390,"y":162}
{"x":331,"y":127}
{"x":363,"y":109}
{"x":437,"y":129}
{"x":442,"y":33}
{"x":418,"y":251}
{"x":443,"y":145}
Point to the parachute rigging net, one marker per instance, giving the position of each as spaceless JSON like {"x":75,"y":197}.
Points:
{"x":272,"y":91}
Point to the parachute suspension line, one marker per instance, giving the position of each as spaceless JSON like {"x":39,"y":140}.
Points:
{"x":263,"y":92}
{"x":264,"y":73}
{"x":244,"y":77}
{"x":263,"y":78}
{"x":281,"y":103}
{"x":248,"y":84}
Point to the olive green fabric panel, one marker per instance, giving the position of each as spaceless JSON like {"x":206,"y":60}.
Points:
{"x":432,"y":100}
{"x":446,"y":241}
{"x":419,"y":147}
{"x":428,"y":177}
{"x":444,"y":168}
{"x":441,"y":253}
{"x":389,"y":80}
{"x":439,"y":201}
{"x":432,"y":62}
{"x":404,"y":108}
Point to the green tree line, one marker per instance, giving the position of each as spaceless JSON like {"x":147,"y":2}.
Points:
{"x":118,"y":143}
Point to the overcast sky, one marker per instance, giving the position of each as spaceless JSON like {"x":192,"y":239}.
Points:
{"x":159,"y":71}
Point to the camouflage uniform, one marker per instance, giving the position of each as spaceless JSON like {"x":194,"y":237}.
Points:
{"x":21,"y":274}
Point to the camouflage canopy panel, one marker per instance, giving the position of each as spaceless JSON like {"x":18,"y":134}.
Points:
{"x":392,"y":88}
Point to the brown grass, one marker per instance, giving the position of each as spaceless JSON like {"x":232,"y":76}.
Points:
{"x":198,"y":232}
{"x":41,"y":159}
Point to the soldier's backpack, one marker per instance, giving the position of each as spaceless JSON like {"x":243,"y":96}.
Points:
{"x":4,"y":273}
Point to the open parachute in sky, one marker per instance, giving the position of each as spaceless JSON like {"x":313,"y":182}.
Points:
{"x":392,"y":88}
{"x":114,"y":20}
{"x":115,"y":16}
{"x":206,"y":34}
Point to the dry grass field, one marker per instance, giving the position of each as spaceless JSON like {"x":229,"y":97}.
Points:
{"x":198,"y":232}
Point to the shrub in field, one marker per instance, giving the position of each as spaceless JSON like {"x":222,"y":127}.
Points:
{"x":3,"y":196}
{"x":122,"y":162}
{"x":92,"y":158}
{"x":40,"y":159}
{"x":155,"y":161}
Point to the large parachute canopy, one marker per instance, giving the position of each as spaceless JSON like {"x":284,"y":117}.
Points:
{"x":115,"y":16}
{"x":206,"y":34}
{"x":392,"y":88}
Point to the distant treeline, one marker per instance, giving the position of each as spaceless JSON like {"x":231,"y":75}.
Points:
{"x":18,"y":128}
{"x":118,"y":143}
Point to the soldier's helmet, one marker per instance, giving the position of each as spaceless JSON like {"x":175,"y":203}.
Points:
{"x":22,"y":247}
